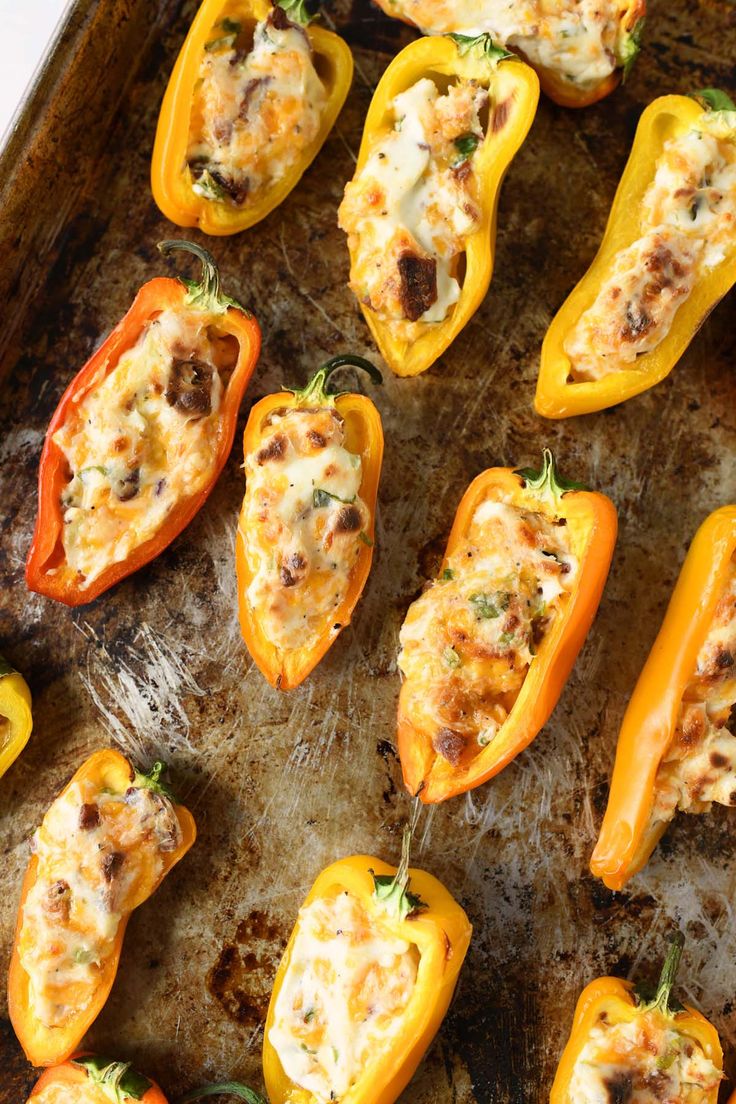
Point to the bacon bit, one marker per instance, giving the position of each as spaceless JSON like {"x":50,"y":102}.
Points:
{"x":274,"y":450}
{"x":418,"y":290}
{"x":57,"y":901}
{"x":462,"y":171}
{"x":111,"y":864}
{"x":291,"y":569}
{"x":89,"y":816}
{"x":449,"y":744}
{"x":250,"y":89}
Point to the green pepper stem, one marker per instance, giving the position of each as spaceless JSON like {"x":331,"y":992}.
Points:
{"x":669,"y":973}
{"x":207,"y":294}
{"x":151,"y":780}
{"x":713,"y":99}
{"x":297,"y":11}
{"x":547,"y":482}
{"x":224,"y":1088}
{"x":316,"y":390}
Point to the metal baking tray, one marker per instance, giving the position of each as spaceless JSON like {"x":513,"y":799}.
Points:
{"x":281,"y":784}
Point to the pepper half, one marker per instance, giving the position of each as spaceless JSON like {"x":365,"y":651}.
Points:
{"x":610,"y":1002}
{"x":627,"y":836}
{"x":286,"y":667}
{"x":514,"y":93}
{"x":171,"y":178}
{"x":47,"y":570}
{"x":553,"y":81}
{"x":558,"y":395}
{"x":91,"y":1078}
{"x":428,"y":918}
{"x":591,"y":525}
{"x":45,"y":1046}
{"x":16,"y":720}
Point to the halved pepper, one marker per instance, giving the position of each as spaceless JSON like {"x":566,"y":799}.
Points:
{"x":439,"y":19}
{"x":295,"y":562}
{"x":590,"y":523}
{"x":514,"y":92}
{"x":92,"y":1079}
{"x":171,"y":177}
{"x":628,"y":834}
{"x":669,"y":1030}
{"x":559,"y":394}
{"x":47,"y":569}
{"x":412,"y":907}
{"x":104,"y":773}
{"x":16,"y":720}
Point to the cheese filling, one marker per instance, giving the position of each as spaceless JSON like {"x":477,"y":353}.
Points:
{"x":687,"y":228}
{"x":645,"y":1060}
{"x":580,"y":40}
{"x":255,"y":111}
{"x":346,"y":989}
{"x":467,"y":643}
{"x":99,"y":855}
{"x":303,"y":523}
{"x":86,"y":1092}
{"x":143,"y":440}
{"x":410,"y":210}
{"x":700,"y":764}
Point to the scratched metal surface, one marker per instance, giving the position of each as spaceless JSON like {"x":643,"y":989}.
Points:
{"x":281,"y":785}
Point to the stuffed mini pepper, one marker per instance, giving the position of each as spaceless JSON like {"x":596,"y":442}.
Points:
{"x":253,"y":95}
{"x":668,"y":255}
{"x":629,"y":1046}
{"x":92,"y":1079}
{"x":305,"y":537}
{"x":447,"y":118}
{"x":16,"y":720}
{"x":364,"y":984}
{"x":677,"y":746}
{"x":486,"y":650}
{"x":104,"y":846}
{"x":141,"y":434}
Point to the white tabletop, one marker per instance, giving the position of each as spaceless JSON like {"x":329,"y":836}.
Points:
{"x":26,"y":28}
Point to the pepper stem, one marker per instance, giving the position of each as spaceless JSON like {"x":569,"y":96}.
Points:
{"x":669,"y":973}
{"x":234,"y":1088}
{"x":547,"y":482}
{"x":118,"y":1081}
{"x":296,"y":10}
{"x":713,"y":99}
{"x":151,"y":780}
{"x":393,"y":890}
{"x":207,"y":294}
{"x":482,"y":45}
{"x":316,"y":389}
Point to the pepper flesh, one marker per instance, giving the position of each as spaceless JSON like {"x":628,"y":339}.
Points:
{"x":627,"y":838}
{"x":121,"y":1083}
{"x":441,"y":932}
{"x":509,"y":81}
{"x":286,"y":669}
{"x":171,"y":180}
{"x":16,"y":720}
{"x":612,"y":1001}
{"x":47,"y":1046}
{"x":47,"y":571}
{"x":665,"y":118}
{"x":552,"y":81}
{"x":592,"y":525}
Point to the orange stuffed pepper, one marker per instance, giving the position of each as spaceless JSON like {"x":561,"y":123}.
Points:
{"x":306,"y":531}
{"x":105,"y":845}
{"x":486,"y":651}
{"x":91,"y":1079}
{"x":629,"y":1045}
{"x":677,"y":747}
{"x":141,"y":434}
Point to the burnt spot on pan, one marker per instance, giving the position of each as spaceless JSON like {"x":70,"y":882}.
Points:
{"x":242,"y":977}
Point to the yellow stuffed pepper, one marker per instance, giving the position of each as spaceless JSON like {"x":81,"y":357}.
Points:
{"x":253,"y":95}
{"x":364,"y":984}
{"x":629,"y":1045}
{"x":16,"y":721}
{"x":445,"y":122}
{"x":668,"y":255}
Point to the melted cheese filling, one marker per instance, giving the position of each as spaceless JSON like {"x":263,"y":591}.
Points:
{"x":99,"y":856}
{"x":254,"y":112}
{"x":409,"y":211}
{"x":347,"y":986}
{"x":642,"y":1061}
{"x":467,"y":642}
{"x":83,"y":1093}
{"x":700,"y":764}
{"x":580,"y":40}
{"x":303,"y":524}
{"x":144,"y":439}
{"x":688,"y":227}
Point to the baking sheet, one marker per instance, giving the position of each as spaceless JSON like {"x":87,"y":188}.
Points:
{"x":280,"y":784}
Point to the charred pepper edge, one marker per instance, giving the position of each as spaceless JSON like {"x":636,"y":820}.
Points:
{"x":117,"y":1080}
{"x":547,"y":481}
{"x":235,"y":1088}
{"x":206,"y":294}
{"x":316,"y":389}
